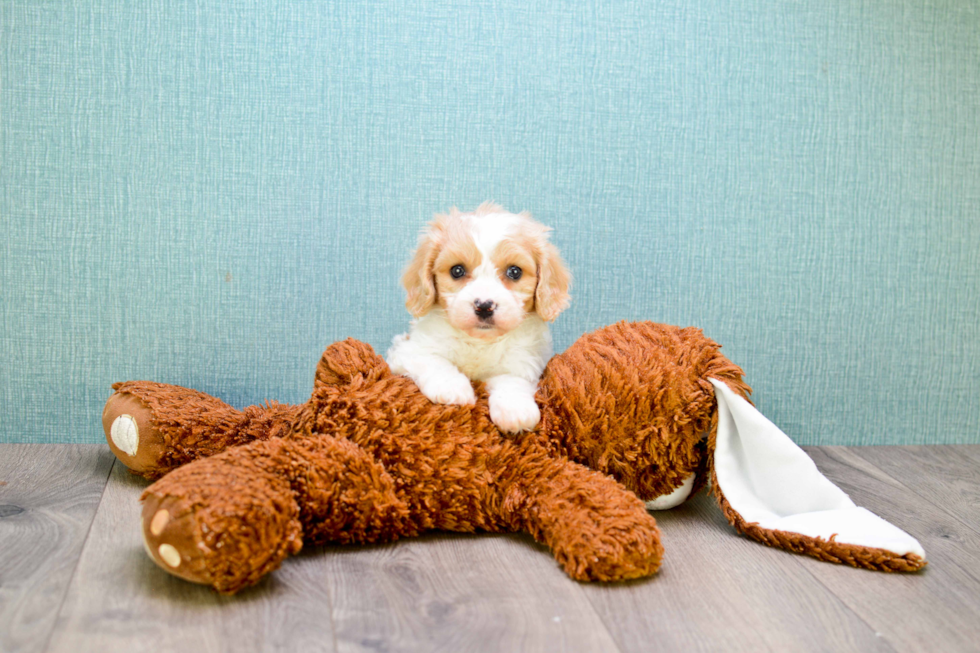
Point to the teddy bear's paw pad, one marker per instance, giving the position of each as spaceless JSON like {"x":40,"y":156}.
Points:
{"x":169,"y":554}
{"x":159,"y":522}
{"x":130,"y":432}
{"x":125,"y":434}
{"x":169,"y":535}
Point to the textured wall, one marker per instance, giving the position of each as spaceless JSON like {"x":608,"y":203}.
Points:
{"x":209,"y":193}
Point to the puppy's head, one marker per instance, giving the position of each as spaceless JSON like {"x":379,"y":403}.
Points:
{"x":488,"y":270}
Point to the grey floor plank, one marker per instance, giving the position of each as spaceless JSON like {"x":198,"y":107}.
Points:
{"x":120,"y":601}
{"x":947,"y":475}
{"x":48,"y":498}
{"x":458,"y":592}
{"x":718,"y":591}
{"x":937,"y":609}
{"x":969,"y":450}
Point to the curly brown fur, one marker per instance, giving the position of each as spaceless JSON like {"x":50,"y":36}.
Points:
{"x":368,"y":458}
{"x":633,"y":400}
{"x":235,"y":516}
{"x":419,"y":466}
{"x":178,"y":425}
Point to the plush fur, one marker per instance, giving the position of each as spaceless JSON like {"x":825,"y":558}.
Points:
{"x":369,"y":458}
{"x":482,"y":286}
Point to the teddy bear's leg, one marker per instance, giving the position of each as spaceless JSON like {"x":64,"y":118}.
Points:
{"x":596,"y":529}
{"x":228,"y":520}
{"x":154,"y":427}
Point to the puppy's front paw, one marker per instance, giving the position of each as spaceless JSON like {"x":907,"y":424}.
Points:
{"x":453,"y":389}
{"x":514,"y":412}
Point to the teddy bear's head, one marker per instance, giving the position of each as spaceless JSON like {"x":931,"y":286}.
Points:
{"x":633,"y":400}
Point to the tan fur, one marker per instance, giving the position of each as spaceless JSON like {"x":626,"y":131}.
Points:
{"x":446,"y":243}
{"x":551,"y":296}
{"x":456,"y":246}
{"x":418,"y":280}
{"x":515,"y":251}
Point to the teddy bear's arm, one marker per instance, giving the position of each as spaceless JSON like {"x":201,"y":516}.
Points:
{"x":596,"y":528}
{"x":155,"y":427}
{"x":228,"y":520}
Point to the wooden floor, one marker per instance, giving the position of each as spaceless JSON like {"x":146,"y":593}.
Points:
{"x":74,"y":577}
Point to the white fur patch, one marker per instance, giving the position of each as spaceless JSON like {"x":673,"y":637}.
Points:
{"x":523,"y":352}
{"x":444,"y":349}
{"x":489,"y":230}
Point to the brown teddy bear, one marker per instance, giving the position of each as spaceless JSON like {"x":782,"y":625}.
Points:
{"x":632,"y":413}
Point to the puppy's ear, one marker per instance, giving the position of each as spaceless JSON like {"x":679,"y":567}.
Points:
{"x":551,"y":295}
{"x":418,"y":277}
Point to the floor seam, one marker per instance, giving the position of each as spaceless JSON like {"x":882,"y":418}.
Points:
{"x":795,"y":557}
{"x":78,"y":561}
{"x":880,"y":635}
{"x":598,"y":614}
{"x":583,"y":594}
{"x":333,"y":620}
{"x":840,"y":599}
{"x":883,"y":635}
{"x":928,"y":500}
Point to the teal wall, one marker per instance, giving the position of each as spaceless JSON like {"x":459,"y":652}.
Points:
{"x":208,"y":194}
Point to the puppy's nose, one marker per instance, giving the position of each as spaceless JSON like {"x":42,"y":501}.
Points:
{"x":483,"y":309}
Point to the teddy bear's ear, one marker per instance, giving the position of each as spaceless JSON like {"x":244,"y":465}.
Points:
{"x":343,"y":361}
{"x":771,"y":490}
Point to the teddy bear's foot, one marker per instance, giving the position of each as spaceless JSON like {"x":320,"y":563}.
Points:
{"x":596,"y":529}
{"x":224,"y":521}
{"x":230,"y":519}
{"x":154,"y":427}
{"x":132,"y":435}
{"x":602,"y":551}
{"x":229,"y":546}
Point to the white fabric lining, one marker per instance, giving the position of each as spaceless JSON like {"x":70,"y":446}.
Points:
{"x":769,"y":480}
{"x":675,"y":498}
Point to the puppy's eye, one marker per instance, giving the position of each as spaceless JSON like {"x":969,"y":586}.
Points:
{"x":514,"y":273}
{"x":457,"y":272}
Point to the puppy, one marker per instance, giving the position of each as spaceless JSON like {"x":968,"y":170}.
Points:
{"x":482,"y":287}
